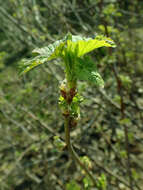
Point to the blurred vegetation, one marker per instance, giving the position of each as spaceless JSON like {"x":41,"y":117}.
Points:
{"x":109,"y":137}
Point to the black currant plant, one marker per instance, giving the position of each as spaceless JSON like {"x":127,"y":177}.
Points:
{"x":72,"y":51}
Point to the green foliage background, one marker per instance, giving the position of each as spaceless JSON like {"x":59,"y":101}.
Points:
{"x":29,"y":112}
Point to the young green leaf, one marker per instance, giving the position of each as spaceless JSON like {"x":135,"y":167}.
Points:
{"x":68,"y":49}
{"x":80,"y":46}
{"x":72,"y":186}
{"x":52,"y":51}
{"x":86,"y":70}
{"x":28,"y":64}
{"x":44,"y":54}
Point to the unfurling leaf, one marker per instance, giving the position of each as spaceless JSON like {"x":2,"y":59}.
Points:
{"x":86,"y":70}
{"x":68,"y":49}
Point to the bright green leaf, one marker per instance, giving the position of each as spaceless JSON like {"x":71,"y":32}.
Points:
{"x":125,"y":121}
{"x":81,"y":46}
{"x":86,"y":70}
{"x":69,"y":49}
{"x":87,"y":182}
{"x":72,"y":186}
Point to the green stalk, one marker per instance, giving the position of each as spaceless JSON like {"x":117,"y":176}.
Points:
{"x":73,"y":153}
{"x":68,"y":126}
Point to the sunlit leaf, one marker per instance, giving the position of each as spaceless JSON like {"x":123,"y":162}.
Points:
{"x":72,"y":186}
{"x":81,"y":46}
{"x":69,"y":49}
